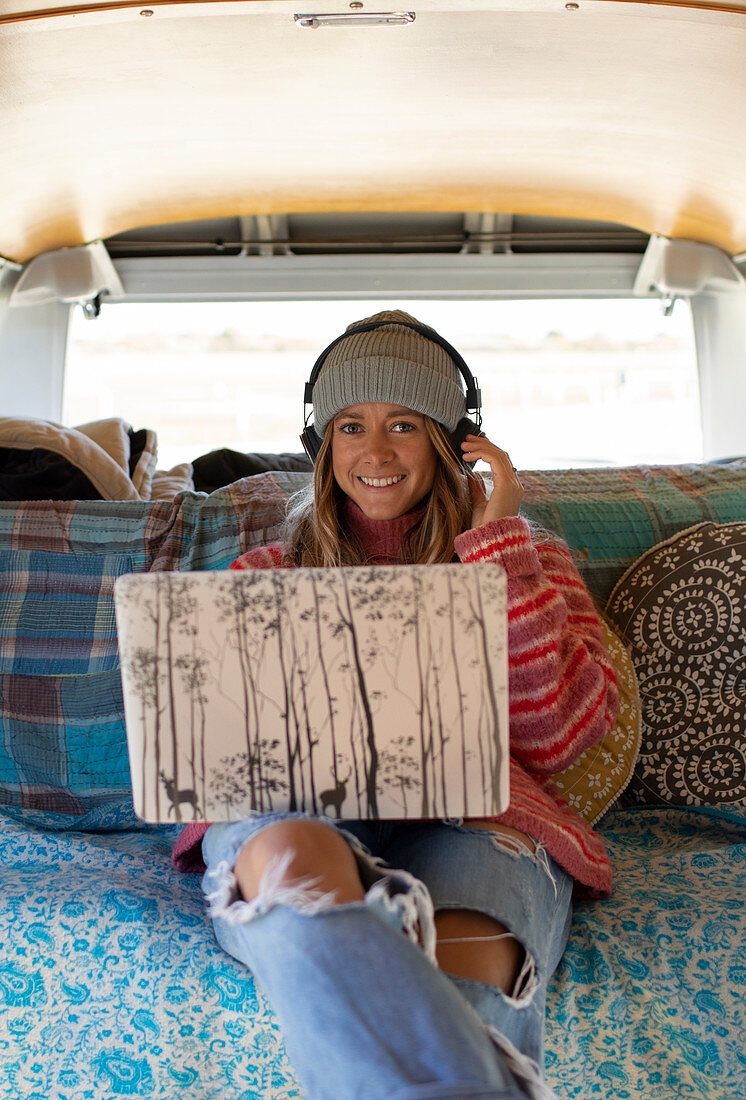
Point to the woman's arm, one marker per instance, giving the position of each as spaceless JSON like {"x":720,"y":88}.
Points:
{"x":562,"y":684}
{"x":261,"y":557}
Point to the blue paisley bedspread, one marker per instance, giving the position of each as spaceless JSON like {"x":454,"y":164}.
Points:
{"x":111,"y":984}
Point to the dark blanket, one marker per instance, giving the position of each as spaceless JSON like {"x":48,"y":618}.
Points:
{"x":218,"y":468}
{"x":39,"y":474}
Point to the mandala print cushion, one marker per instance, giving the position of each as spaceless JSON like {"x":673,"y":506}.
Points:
{"x":682,"y":609}
{"x":594,"y":782}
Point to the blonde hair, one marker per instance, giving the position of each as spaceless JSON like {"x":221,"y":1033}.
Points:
{"x":314,"y":534}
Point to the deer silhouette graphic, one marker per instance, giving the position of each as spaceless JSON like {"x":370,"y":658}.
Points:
{"x":335,"y":795}
{"x":176,"y":797}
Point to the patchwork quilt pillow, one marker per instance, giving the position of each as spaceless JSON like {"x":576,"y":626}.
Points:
{"x":63,"y":748}
{"x":682,"y":609}
{"x":610,"y":516}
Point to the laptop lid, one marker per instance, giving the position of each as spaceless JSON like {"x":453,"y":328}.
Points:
{"x":366,"y":692}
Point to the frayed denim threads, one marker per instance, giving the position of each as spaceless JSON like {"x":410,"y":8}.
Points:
{"x":365,"y":1013}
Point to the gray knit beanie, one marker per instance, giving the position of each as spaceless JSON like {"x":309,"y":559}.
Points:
{"x":393,"y":364}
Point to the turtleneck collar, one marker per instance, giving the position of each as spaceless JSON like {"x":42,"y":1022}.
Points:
{"x":381,"y":539}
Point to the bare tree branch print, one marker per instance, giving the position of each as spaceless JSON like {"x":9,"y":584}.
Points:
{"x":369,"y":691}
{"x":455,"y":662}
{"x":143,"y":671}
{"x":399,"y":768}
{"x":143,"y":666}
{"x":321,"y":618}
{"x":347,"y":618}
{"x":244,"y":606}
{"x":230,"y":778}
{"x":496,"y":751}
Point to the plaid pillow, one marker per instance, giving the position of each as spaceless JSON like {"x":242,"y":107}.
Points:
{"x":611,"y":516}
{"x":56,"y":614}
{"x":63,"y":754}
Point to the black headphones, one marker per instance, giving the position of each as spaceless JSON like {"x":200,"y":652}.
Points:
{"x":311,"y":439}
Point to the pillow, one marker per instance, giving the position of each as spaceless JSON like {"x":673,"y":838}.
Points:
{"x":167,"y":483}
{"x":134,"y":451}
{"x":219,"y":468}
{"x":594,"y":782}
{"x":610,"y":516}
{"x":682,"y":608}
{"x":63,"y":750}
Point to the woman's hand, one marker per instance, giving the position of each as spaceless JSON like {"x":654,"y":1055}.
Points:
{"x":507,"y":492}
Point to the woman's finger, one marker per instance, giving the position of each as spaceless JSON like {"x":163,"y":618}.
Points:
{"x":480,"y":447}
{"x":507,"y":490}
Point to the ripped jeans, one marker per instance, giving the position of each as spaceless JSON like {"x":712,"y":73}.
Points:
{"x":365,"y":1012}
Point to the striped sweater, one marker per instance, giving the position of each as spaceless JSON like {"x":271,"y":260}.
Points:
{"x":562,"y":687}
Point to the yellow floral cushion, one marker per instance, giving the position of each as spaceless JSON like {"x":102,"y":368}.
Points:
{"x":597,"y":778}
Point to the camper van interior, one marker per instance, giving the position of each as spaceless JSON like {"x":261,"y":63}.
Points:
{"x":196,"y":197}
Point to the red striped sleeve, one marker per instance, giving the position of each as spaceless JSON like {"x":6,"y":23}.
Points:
{"x":506,"y":541}
{"x":533,"y":655}
{"x":520,"y":609}
{"x":576,"y":737}
{"x":563,"y":694}
{"x":261,"y":557}
{"x":547,"y":699}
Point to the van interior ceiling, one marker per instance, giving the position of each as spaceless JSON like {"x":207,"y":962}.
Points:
{"x":494,"y":149}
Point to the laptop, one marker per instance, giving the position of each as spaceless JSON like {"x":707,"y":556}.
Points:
{"x":372,"y":692}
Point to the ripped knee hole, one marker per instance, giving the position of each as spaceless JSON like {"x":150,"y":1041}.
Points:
{"x":474,"y":945}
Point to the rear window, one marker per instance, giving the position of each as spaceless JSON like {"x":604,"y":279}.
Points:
{"x":564,"y":382}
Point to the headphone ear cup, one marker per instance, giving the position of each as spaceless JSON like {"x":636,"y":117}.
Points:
{"x":464,"y":427}
{"x":311,"y":441}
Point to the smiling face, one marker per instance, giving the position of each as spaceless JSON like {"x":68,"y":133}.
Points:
{"x":382,"y":458}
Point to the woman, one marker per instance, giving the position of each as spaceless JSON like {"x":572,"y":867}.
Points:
{"x":454,"y":1007}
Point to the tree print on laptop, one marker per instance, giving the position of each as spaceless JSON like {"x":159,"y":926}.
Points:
{"x":371,"y":692}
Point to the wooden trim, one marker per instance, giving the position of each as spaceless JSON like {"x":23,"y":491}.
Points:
{"x":688,"y":5}
{"x":110,"y":6}
{"x":144,"y":5}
